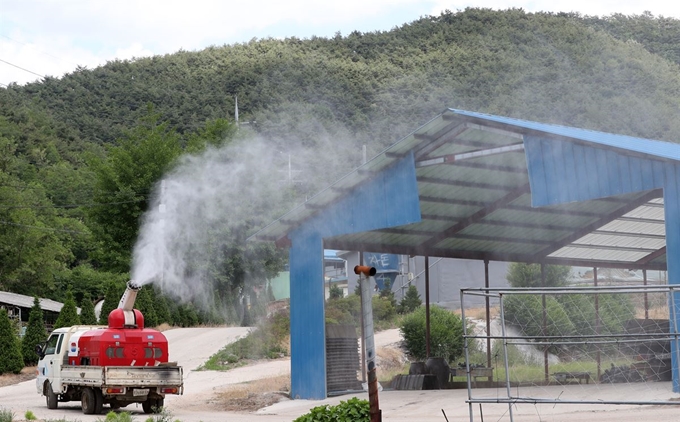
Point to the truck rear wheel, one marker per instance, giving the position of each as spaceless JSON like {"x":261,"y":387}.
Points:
{"x":91,"y":401}
{"x":51,"y":397}
{"x":152,"y":405}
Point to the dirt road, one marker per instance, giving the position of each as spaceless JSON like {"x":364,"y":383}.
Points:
{"x":190,"y":347}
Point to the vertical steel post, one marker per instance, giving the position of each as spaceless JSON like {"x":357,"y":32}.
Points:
{"x":644,"y":282}
{"x":546,"y":367}
{"x":597,"y":325}
{"x":427,"y":307}
{"x":365,"y":279}
{"x":361,"y":317}
{"x":488,"y":317}
{"x":504,"y":335}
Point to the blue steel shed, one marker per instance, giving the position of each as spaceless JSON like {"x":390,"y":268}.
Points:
{"x":477,"y":186}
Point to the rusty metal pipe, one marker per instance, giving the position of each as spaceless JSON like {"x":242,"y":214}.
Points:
{"x":365,"y":270}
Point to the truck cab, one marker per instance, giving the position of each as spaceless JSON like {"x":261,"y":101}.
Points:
{"x":53,"y":355}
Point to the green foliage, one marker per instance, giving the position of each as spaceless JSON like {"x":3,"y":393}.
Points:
{"x":568,"y":315}
{"x":110,"y":146}
{"x":145,"y":303}
{"x":7,"y":415}
{"x":30,"y":416}
{"x":163,"y":416}
{"x":118,"y":417}
{"x":267,"y":341}
{"x":344,"y":310}
{"x":87,"y":315}
{"x":387,"y":293}
{"x":35,"y":334}
{"x":383,"y":308}
{"x":10,"y":358}
{"x":446,"y":334}
{"x":352,"y":410}
{"x":68,"y":315}
{"x":123,"y":183}
{"x":335,"y":292}
{"x":529,"y":275}
{"x":114,"y":292}
{"x":410,"y":302}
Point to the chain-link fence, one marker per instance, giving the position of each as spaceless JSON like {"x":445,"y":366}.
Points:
{"x":570,"y":345}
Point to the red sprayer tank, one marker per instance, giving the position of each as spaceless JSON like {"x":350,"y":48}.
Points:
{"x":125,"y":342}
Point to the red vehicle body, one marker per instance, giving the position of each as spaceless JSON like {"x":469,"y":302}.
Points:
{"x":119,"y":344}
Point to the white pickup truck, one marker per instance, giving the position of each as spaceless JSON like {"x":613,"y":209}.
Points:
{"x":94,"y":386}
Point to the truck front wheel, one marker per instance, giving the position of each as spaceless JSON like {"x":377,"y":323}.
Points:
{"x":91,"y":401}
{"x":51,"y":397}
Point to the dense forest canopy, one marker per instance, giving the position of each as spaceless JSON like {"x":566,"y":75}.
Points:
{"x":82,"y":155}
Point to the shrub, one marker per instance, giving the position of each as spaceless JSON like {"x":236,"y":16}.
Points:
{"x":6,"y":415}
{"x":353,"y":410}
{"x":446,"y":334}
{"x":383,"y":309}
{"x":29,"y":416}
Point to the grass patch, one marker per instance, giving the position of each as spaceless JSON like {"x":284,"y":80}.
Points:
{"x":6,"y":415}
{"x":253,"y":395}
{"x":269,"y":340}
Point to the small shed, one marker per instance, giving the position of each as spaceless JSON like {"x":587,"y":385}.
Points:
{"x":478,"y":186}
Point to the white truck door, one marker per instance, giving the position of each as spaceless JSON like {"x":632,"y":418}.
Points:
{"x":49,"y":367}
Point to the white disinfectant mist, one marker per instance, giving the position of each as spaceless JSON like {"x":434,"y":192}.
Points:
{"x":207,"y":195}
{"x":202,"y":198}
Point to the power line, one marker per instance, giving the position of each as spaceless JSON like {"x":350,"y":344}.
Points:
{"x":38,"y":50}
{"x":71,"y":205}
{"x":19,"y":67}
{"x":8,"y":223}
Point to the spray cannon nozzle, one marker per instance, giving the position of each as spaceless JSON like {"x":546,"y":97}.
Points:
{"x":132,"y":285}
{"x":365,"y":270}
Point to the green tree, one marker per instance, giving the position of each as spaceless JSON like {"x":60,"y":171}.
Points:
{"x":68,"y":316}
{"x":35,"y":334}
{"x":446,"y":334}
{"x":87,"y":315}
{"x":146,"y":304}
{"x":124,"y":181}
{"x":529,"y":275}
{"x":10,"y":357}
{"x":411,"y":300}
{"x":334,"y":292}
{"x":114,"y":291}
{"x":162,"y":309}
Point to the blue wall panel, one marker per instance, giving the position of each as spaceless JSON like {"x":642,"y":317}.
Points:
{"x":388,"y":199}
{"x":552,"y":166}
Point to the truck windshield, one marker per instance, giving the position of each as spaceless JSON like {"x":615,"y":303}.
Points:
{"x":51,"y":346}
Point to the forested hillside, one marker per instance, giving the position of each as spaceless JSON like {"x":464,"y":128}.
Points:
{"x":81,"y":154}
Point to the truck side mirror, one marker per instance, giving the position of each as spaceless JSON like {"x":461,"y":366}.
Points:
{"x":40,"y":350}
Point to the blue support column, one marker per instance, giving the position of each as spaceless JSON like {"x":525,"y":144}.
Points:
{"x":672,"y":215}
{"x":307,"y":318}
{"x":388,"y":199}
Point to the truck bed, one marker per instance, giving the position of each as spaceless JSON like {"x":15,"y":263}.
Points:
{"x":125,"y":376}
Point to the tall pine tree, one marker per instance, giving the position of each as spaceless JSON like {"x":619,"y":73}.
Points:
{"x":35,"y":334}
{"x":69,"y":312}
{"x":10,"y":350}
{"x":111,"y":300}
{"x":87,"y":316}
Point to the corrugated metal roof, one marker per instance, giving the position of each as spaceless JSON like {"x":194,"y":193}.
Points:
{"x":23,"y":301}
{"x":475,"y":200}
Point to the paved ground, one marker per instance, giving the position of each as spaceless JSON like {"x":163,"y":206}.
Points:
{"x":192,"y":346}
